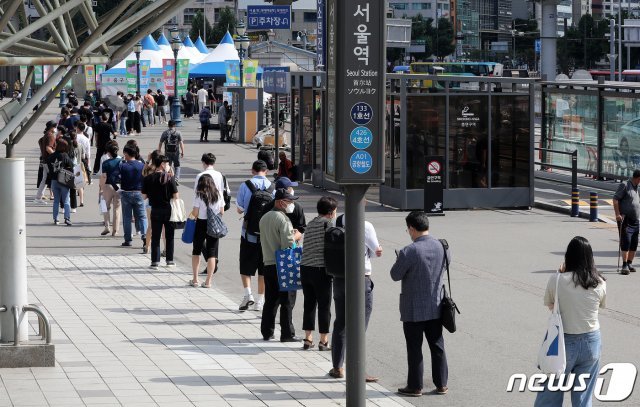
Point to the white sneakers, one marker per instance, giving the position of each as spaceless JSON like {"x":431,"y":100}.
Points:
{"x":258,"y":305}
{"x":247,"y":301}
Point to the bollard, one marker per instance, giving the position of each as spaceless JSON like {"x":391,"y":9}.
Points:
{"x":593,"y":203}
{"x":63,"y":98}
{"x":575,"y":202}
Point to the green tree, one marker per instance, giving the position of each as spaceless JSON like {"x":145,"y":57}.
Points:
{"x":226,"y":22}
{"x":422,"y":32}
{"x":199,"y":26}
{"x":443,"y":43}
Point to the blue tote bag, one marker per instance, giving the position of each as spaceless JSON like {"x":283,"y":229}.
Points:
{"x":288,"y":266}
{"x":189,"y":231}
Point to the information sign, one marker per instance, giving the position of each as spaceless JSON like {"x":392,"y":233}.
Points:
{"x":269,"y":17}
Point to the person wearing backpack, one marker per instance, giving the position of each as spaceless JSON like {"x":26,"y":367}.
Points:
{"x":173,"y":147}
{"x":371,"y":248}
{"x":108,"y":188}
{"x":251,"y":199}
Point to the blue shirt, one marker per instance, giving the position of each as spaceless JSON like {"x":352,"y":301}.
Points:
{"x":131,"y":175}
{"x":244,"y":197}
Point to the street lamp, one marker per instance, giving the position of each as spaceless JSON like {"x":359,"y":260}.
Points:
{"x":302,"y":35}
{"x":175,"y":46}
{"x":242,"y":45}
{"x":137,"y":49}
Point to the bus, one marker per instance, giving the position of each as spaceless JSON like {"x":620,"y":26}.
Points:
{"x":628,"y":75}
{"x":458,"y":68}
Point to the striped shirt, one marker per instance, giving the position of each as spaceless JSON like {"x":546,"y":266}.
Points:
{"x":313,"y":250}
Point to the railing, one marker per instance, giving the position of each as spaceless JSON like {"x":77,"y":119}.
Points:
{"x":573,"y":168}
{"x":44,"y":327}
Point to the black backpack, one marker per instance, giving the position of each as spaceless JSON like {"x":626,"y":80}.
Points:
{"x":334,"y":249}
{"x":171,"y":145}
{"x":257,"y":208}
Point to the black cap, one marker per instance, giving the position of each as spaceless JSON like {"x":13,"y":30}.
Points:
{"x":284,"y":194}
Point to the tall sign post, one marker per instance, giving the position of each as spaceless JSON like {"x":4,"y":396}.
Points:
{"x":355,"y":152}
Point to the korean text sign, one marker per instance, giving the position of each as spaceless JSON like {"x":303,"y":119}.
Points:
{"x":269,"y":17}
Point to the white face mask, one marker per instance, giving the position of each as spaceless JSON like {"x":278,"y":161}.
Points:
{"x":291,"y":192}
{"x":290,"y":208}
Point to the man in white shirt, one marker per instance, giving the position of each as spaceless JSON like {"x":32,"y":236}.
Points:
{"x":203,"y":95}
{"x":86,"y":147}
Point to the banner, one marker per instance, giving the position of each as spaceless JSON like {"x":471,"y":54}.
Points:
{"x":38,"y":75}
{"x":250,"y":74}
{"x":167,"y":76}
{"x":90,"y":77}
{"x":132,"y":74}
{"x":145,"y":75}
{"x":99,"y":70}
{"x":321,"y":39}
{"x":23,"y":73}
{"x":233,"y":73}
{"x":183,"y":76}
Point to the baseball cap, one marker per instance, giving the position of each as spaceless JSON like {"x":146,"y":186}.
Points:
{"x":284,"y":182}
{"x":282,"y":193}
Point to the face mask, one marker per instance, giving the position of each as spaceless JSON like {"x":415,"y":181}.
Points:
{"x":292,"y":192}
{"x":290,"y":208}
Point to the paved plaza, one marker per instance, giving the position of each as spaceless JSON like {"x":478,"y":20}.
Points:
{"x":127,"y":335}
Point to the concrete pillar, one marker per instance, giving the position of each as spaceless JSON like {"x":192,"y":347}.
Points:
{"x":13,"y":247}
{"x":549,"y":33}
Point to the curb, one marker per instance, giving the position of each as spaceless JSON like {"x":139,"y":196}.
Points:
{"x":567,"y":211}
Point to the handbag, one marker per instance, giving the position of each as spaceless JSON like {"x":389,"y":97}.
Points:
{"x":215,"y":225}
{"x":178,"y":214}
{"x":552,"y":358}
{"x":448,"y":306}
{"x":103,"y":206}
{"x":288,"y":267}
{"x":189,"y":231}
{"x":78,"y":177}
{"x":66,"y":178}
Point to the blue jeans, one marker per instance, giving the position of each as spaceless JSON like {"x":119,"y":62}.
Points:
{"x":133,"y":204}
{"x":583,"y":356}
{"x":123,"y":124}
{"x":60,"y":194}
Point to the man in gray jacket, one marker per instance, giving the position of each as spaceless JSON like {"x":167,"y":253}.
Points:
{"x":419,"y":266}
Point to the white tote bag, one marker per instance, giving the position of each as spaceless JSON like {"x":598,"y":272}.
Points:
{"x":178,"y":214}
{"x":78,"y":176}
{"x":552,"y":356}
{"x":103,"y":206}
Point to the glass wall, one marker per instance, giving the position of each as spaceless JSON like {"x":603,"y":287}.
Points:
{"x":317,"y":164}
{"x":621,"y":136}
{"x":426,"y":131}
{"x":509,"y":141}
{"x":392,"y":140}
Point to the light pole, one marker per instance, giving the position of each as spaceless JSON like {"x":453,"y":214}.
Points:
{"x":137,"y":49}
{"x":302,"y":35}
{"x":242,"y":45}
{"x":175,"y":46}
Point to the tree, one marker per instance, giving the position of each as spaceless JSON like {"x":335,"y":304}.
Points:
{"x":422,"y":32}
{"x":226,"y":22}
{"x":443,"y":41}
{"x":199,"y":26}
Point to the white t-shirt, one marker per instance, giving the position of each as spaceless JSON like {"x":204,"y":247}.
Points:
{"x":202,"y":208}
{"x":86,"y":145}
{"x":203,"y":95}
{"x":578,"y":307}
{"x":218,"y":180}
{"x":371,"y":244}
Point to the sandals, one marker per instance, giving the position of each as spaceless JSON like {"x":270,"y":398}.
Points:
{"x":323,"y":346}
{"x":308,"y":344}
{"x":204,"y":285}
{"x":193,"y":283}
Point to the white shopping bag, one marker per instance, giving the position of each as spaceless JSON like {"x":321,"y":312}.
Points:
{"x":103,"y":206}
{"x":78,"y":176}
{"x":552,"y":357}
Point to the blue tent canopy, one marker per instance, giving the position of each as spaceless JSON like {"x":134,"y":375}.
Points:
{"x":149,"y":43}
{"x":227,"y":39}
{"x":187,"y":42}
{"x":162,"y":40}
{"x":201,"y":46}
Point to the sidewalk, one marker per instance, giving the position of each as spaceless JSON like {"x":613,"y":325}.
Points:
{"x":126,"y":335}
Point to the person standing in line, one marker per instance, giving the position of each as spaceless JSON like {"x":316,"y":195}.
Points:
{"x":188,"y":104}
{"x":626,"y":205}
{"x":103,"y":131}
{"x":582,"y":292}
{"x":57,"y":161}
{"x":250,"y":250}
{"x":212,"y":98}
{"x":109,"y":188}
{"x":205,"y":117}
{"x":149,"y":104}
{"x":138,"y":120}
{"x":130,"y":170}
{"x":338,"y":339}
{"x":207,"y":196}
{"x":47,"y":144}
{"x":202,"y":97}
{"x":160,"y":187}
{"x":276,"y":233}
{"x":316,"y":283}
{"x":419,"y":266}
{"x":173,"y":147}
{"x":223,"y":112}
{"x":86,"y":155}
{"x":160,"y":111}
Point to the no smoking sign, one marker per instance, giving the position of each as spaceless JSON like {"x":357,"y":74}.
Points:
{"x":433,"y":167}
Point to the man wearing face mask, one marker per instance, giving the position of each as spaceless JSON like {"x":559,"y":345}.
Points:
{"x":296,"y":213}
{"x":276,"y":233}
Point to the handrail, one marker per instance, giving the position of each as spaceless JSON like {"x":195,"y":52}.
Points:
{"x":573,"y":168}
{"x":41,"y":318}
{"x":3,"y":308}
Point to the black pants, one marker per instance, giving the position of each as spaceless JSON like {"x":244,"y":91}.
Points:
{"x":316,"y":287}
{"x":204,"y":132}
{"x":96,"y":162}
{"x":224,"y":131}
{"x":87,"y":172}
{"x":130,"y":120}
{"x":432,"y":330}
{"x":339,"y":339}
{"x":160,"y":218}
{"x":272,"y":299}
{"x":136,"y":122}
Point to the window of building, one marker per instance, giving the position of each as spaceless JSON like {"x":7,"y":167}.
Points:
{"x":310,"y":17}
{"x":293,"y":16}
{"x":445,"y":7}
{"x":420,"y":6}
{"x":399,"y":6}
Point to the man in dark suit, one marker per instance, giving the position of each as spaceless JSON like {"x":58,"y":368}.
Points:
{"x":419,"y":266}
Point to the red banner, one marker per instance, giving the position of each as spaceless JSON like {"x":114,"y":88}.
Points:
{"x":168,"y":76}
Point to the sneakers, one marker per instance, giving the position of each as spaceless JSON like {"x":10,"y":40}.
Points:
{"x":337,"y":373}
{"x":67,"y":222}
{"x":442,"y":390}
{"x":40,"y":202}
{"x":73,"y":210}
{"x":631,"y":268}
{"x":625,"y":269}
{"x":247,"y":301}
{"x":406,"y":391}
{"x":258,"y":305}
{"x":105,"y":232}
{"x":154,"y":266}
{"x":171,"y":264}
{"x":55,"y":222}
{"x":126,"y":244}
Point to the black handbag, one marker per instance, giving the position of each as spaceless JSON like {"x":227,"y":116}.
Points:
{"x":225,"y":194}
{"x":66,"y":178}
{"x":448,"y":306}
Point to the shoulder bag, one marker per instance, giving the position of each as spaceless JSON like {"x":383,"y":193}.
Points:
{"x":215,"y":225}
{"x":552,"y":357}
{"x":448,"y":306}
{"x":66,"y":178}
{"x":178,"y":214}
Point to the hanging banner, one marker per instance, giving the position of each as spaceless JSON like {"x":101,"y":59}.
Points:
{"x":233,"y":73}
{"x":321,"y":39}
{"x":38,"y":75}
{"x":90,"y":77}
{"x":145,"y":75}
{"x":132,"y":73}
{"x":168,"y":69}
{"x":183,"y":76}
{"x":99,"y":70}
{"x":23,"y":73}
{"x":250,"y":76}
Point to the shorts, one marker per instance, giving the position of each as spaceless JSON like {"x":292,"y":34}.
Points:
{"x":210,"y":249}
{"x":629,"y":235}
{"x":250,"y":258}
{"x":174,"y":159}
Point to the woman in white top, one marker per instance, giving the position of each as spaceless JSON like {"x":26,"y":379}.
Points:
{"x":206,"y":197}
{"x":582,"y":291}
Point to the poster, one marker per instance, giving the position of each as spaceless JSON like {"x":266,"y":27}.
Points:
{"x":90,"y":77}
{"x":145,"y":75}
{"x":132,"y":73}
{"x":183,"y":76}
{"x":250,"y":74}
{"x":37,"y":72}
{"x":167,"y":76}
{"x":99,"y":70}
{"x":233,"y":73}
{"x":23,"y":73}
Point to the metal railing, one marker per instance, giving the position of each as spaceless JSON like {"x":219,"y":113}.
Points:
{"x":573,"y":168}
{"x":44,"y":327}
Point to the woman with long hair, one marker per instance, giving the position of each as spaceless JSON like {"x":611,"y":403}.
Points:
{"x":206,"y":197}
{"x":582,"y":291}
